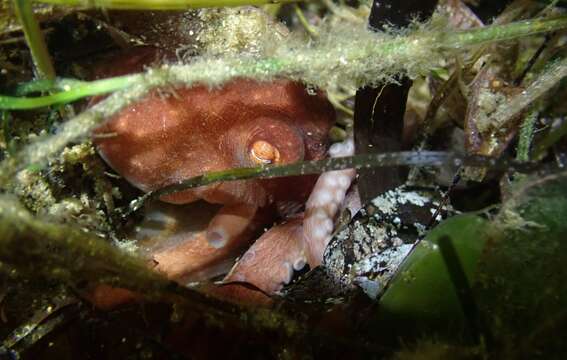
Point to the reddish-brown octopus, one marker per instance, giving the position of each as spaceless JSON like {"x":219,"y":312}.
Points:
{"x":175,"y":134}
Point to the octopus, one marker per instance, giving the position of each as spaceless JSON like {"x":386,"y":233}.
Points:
{"x":174,"y":134}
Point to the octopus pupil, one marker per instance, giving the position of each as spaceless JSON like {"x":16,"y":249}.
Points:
{"x":262,"y":152}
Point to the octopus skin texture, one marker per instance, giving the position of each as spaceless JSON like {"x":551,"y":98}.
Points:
{"x":163,"y":139}
{"x":175,"y":134}
{"x":324,"y":203}
{"x":302,"y":240}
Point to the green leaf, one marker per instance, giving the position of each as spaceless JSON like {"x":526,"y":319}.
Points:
{"x":515,"y":263}
{"x":429,"y":287}
{"x":522,"y":286}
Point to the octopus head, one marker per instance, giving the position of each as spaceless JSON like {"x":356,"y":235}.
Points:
{"x":172,"y":135}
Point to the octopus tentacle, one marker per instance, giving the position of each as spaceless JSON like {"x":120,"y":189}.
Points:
{"x":323,"y":204}
{"x":270,"y":262}
{"x":161,"y":140}
{"x":194,"y":259}
{"x":173,"y":239}
{"x":228,"y":223}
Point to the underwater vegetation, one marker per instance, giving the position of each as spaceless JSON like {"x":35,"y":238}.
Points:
{"x":317,"y":179}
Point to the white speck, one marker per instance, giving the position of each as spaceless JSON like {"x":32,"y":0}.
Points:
{"x":385,"y":205}
{"x":421,"y":229}
{"x":411,"y":197}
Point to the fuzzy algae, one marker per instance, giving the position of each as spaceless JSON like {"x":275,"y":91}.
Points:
{"x":343,"y":55}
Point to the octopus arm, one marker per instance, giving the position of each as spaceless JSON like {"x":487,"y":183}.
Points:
{"x":230,"y":222}
{"x":324,"y":203}
{"x":270,"y":262}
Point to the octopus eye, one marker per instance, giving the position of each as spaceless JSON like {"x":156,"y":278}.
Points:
{"x":262,"y":153}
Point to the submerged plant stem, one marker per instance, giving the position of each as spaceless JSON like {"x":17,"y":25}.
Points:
{"x":319,"y":64}
{"x":510,"y":31}
{"x":42,"y":250}
{"x":160,"y":4}
{"x":526,"y":136}
{"x":34,"y":39}
{"x":67,"y":254}
{"x":510,"y":109}
{"x":304,"y":22}
{"x":327,"y":64}
{"x":362,"y":161}
{"x":71,"y":90}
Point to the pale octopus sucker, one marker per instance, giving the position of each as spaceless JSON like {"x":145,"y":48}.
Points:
{"x":270,"y":263}
{"x":272,"y":259}
{"x":229,"y":223}
{"x":324,"y":202}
